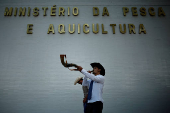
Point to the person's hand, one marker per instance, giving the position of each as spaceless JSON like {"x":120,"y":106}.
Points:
{"x":89,"y":71}
{"x":85,"y":99}
{"x":73,"y":69}
{"x":79,"y":68}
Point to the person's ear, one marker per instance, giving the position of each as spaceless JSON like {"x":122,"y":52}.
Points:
{"x":99,"y":70}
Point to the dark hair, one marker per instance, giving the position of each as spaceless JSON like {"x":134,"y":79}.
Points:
{"x":100,"y":70}
{"x":99,"y":66}
{"x":80,"y":79}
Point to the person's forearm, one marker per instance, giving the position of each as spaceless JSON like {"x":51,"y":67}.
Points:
{"x":92,"y":76}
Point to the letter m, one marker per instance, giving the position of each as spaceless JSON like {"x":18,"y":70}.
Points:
{"x":8,"y":12}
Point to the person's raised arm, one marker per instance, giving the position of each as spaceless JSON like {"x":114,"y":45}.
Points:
{"x":99,"y":79}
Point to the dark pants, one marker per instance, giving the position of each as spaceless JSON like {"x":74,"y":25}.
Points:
{"x":95,"y":107}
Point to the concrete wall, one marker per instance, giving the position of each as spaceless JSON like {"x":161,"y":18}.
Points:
{"x":33,"y":80}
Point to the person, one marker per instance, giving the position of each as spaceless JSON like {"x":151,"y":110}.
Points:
{"x":79,"y":80}
{"x":96,"y":84}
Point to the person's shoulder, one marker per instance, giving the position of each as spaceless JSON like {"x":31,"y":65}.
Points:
{"x":101,"y":77}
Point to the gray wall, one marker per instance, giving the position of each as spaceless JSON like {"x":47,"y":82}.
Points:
{"x":32,"y":79}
